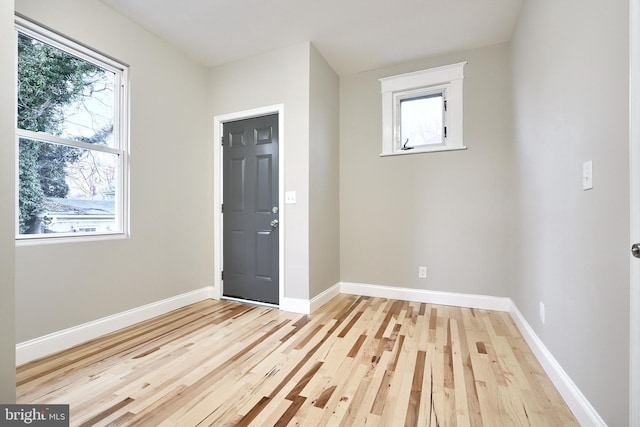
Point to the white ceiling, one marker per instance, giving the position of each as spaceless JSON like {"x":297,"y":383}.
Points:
{"x":352,"y":35}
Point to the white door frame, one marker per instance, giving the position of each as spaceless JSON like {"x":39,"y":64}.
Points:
{"x":218,"y":123}
{"x":634,"y":164}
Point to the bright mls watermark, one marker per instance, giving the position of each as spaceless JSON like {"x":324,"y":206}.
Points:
{"x":34,"y":415}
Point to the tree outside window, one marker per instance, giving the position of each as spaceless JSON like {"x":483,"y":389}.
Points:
{"x":70,"y":145}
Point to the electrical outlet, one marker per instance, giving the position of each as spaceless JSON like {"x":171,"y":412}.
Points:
{"x":542,"y":313}
{"x":587,"y":175}
{"x":422,"y":272}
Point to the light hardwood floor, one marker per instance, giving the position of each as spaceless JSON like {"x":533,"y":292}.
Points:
{"x":357,"y":361}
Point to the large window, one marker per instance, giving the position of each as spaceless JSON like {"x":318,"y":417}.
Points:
{"x":71,"y":135}
{"x":422,"y":111}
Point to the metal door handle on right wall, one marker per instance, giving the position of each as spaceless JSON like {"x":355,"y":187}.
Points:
{"x":635,"y":250}
{"x":275,"y":223}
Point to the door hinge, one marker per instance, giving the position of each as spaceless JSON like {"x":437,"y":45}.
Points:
{"x":445,"y":131}
{"x":222,"y":208}
{"x":445,"y":105}
{"x":222,"y":141}
{"x":222,"y":275}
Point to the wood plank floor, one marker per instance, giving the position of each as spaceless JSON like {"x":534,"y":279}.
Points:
{"x":357,"y":361}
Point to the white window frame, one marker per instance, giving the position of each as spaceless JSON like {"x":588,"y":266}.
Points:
{"x":120,"y":133}
{"x":447,"y":80}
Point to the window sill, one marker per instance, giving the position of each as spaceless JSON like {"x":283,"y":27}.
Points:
{"x":422,"y":150}
{"x":48,"y":240}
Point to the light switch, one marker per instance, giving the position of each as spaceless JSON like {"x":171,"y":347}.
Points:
{"x":290,"y":197}
{"x":587,"y":175}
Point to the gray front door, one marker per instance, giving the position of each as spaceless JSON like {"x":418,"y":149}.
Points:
{"x":250,"y":210}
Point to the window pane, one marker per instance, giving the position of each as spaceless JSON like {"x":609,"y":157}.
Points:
{"x":66,"y":189}
{"x":421,"y":121}
{"x":63,"y":95}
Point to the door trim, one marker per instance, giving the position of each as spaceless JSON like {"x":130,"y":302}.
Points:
{"x":634,"y":199}
{"x":218,"y":122}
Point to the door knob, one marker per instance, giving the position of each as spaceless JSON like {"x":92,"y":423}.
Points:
{"x":635,"y":250}
{"x":275,"y":223}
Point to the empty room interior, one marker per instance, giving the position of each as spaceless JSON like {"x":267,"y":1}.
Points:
{"x":508,"y":238}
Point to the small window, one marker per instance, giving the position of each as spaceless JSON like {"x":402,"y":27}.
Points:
{"x":71,"y":137}
{"x":422,"y":111}
{"x":422,"y":120}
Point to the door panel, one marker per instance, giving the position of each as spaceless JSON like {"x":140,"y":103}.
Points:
{"x":264,"y":184}
{"x":250,"y":194}
{"x":237,"y":176}
{"x":264,"y":262}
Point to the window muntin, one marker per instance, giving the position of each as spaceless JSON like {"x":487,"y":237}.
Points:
{"x":438,"y":93}
{"x":72,"y":147}
{"x":421,"y":120}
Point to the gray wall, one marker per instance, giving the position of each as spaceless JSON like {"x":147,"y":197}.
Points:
{"x":570,"y":247}
{"x":447,"y":211}
{"x":278,"y":77}
{"x":7,"y":205}
{"x":324,"y":176}
{"x":170,"y":251}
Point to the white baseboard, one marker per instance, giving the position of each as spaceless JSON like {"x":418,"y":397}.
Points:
{"x":57,"y":341}
{"x":295,"y":305}
{"x":303,"y":306}
{"x":430,"y":297}
{"x":577,"y":402}
{"x":324,"y":297}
